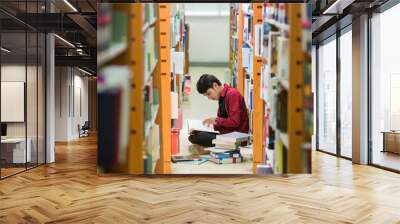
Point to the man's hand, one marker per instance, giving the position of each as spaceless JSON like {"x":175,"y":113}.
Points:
{"x":209,"y":121}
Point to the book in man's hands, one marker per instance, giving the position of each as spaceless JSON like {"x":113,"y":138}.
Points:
{"x":197,"y":125}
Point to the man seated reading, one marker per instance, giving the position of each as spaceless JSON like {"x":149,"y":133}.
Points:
{"x":232,"y":113}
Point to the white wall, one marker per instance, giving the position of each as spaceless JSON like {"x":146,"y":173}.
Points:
{"x":71,"y":87}
{"x":209,"y":32}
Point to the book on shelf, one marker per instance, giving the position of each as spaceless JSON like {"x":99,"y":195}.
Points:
{"x":113,"y":106}
{"x":264,"y":83}
{"x":279,"y":157}
{"x":197,"y":125}
{"x":246,"y":151}
{"x":282,"y":71}
{"x":273,"y":52}
{"x":217,"y":149}
{"x":229,"y":160}
{"x":112,"y":29}
{"x":151,"y":52}
{"x":225,"y":155}
{"x":282,"y":110}
{"x":152,"y":149}
{"x":104,"y":26}
{"x":225,"y":145}
{"x":234,"y":137}
{"x":150,"y":10}
{"x":276,"y":11}
{"x":185,"y":158}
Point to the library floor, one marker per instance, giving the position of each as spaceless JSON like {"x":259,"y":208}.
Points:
{"x":199,"y":107}
{"x":70,"y":191}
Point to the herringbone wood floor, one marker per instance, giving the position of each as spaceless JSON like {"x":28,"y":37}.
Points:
{"x":70,"y":191}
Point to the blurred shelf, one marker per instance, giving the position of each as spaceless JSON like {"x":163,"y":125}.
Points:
{"x":149,"y":124}
{"x":150,"y":74}
{"x":149,"y":24}
{"x":277,"y":24}
{"x":284,"y":83}
{"x":284,"y":138}
{"x":111,"y":53}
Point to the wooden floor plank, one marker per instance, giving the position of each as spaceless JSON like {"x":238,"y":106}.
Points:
{"x":70,"y":191}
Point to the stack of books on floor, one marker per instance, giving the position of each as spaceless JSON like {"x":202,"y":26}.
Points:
{"x":226,"y":148}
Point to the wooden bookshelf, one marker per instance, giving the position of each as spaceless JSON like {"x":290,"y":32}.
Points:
{"x":293,"y":139}
{"x":164,"y":84}
{"x":240,"y":79}
{"x":237,"y":15}
{"x":258,"y":103}
{"x":133,"y":56}
{"x":296,"y":90}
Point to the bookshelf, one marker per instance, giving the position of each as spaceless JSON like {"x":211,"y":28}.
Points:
{"x":179,"y":69}
{"x":114,"y":76}
{"x":142,"y":50}
{"x":258,"y":103}
{"x":276,"y":80}
{"x":235,"y":50}
{"x":164,"y":117}
{"x":286,"y":84}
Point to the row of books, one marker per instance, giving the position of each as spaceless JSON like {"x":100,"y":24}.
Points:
{"x":231,"y":140}
{"x":248,"y":28}
{"x":112,"y":29}
{"x":151,"y":103}
{"x":149,"y":12}
{"x":152,"y":152}
{"x":227,"y":147}
{"x":178,"y":45}
{"x":234,"y":43}
{"x":248,"y":90}
{"x":276,"y":11}
{"x":150,"y":52}
{"x":177,"y":28}
{"x":113,"y":110}
{"x":226,"y":157}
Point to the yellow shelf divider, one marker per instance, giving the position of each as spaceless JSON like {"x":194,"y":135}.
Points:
{"x":258,"y":103}
{"x":164,"y":116}
{"x":296,"y":90}
{"x":240,"y":80}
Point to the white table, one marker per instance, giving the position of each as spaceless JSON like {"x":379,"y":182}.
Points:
{"x":18,"y":149}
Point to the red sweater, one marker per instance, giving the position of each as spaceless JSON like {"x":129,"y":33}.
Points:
{"x":232,"y":112}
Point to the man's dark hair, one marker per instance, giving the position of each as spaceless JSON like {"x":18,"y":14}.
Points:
{"x":205,"y":82}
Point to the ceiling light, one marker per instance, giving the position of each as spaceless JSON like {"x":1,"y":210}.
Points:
{"x":70,"y":5}
{"x":86,"y":72}
{"x":5,"y":49}
{"x":337,"y":7}
{"x":65,"y":41}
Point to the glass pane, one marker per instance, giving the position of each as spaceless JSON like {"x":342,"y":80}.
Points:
{"x":327,"y":97}
{"x":346,"y":94}
{"x":31,"y":97}
{"x":41,"y":99}
{"x":385,"y":89}
{"x":13,"y":87}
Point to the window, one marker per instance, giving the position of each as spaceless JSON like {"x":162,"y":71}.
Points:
{"x":346,"y":93}
{"x":385,"y":88}
{"x":327,"y":96}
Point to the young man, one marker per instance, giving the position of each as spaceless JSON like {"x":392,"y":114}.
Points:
{"x":232,"y":112}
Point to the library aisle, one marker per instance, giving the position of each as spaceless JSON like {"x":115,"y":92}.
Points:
{"x":198,"y":106}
